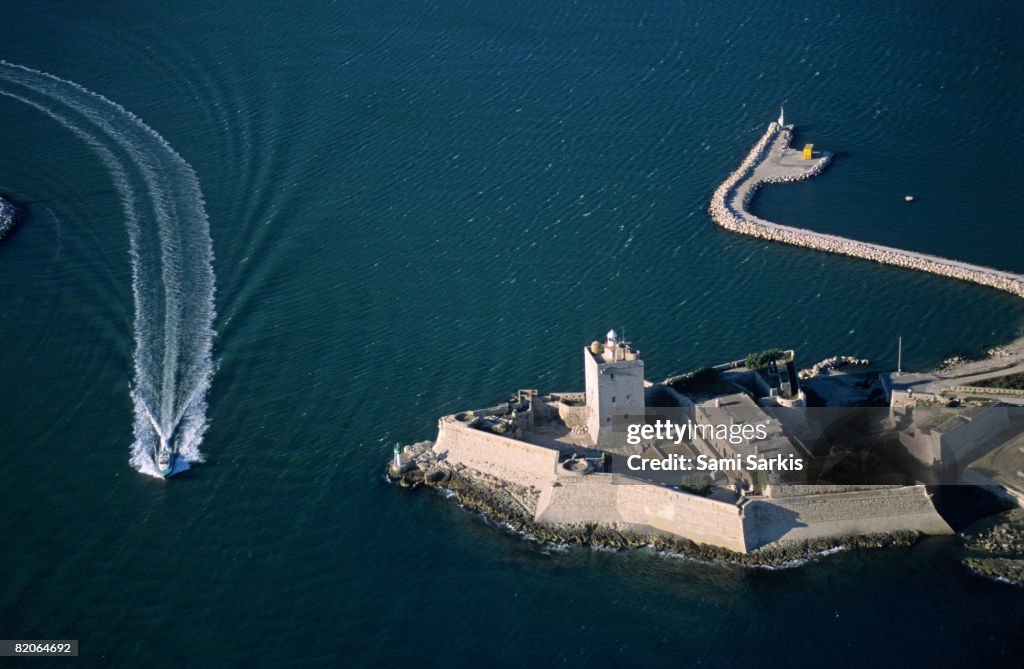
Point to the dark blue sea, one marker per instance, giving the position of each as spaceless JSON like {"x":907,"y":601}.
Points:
{"x":291,"y":234}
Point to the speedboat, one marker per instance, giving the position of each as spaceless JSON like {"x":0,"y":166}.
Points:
{"x":164,"y":458}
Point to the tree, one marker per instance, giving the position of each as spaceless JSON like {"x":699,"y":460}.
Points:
{"x":764,"y":358}
{"x":697,"y":484}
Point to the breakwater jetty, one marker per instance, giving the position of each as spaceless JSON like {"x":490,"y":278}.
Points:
{"x":773,"y":161}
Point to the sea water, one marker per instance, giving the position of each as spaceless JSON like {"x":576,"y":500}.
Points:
{"x":417,"y":208}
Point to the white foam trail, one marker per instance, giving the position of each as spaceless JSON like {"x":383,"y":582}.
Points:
{"x":171,"y":253}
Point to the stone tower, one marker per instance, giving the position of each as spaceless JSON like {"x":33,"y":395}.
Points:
{"x":615,"y":388}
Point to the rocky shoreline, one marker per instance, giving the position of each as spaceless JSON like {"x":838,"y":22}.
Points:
{"x":995,"y":547}
{"x":8,"y":217}
{"x":729,"y":210}
{"x":509,"y":504}
{"x":956,"y":362}
{"x":832,"y":364}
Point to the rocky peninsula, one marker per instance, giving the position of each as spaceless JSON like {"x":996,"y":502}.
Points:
{"x":772,"y":161}
{"x":8,"y":217}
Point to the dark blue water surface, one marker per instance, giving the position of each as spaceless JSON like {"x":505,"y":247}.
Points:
{"x":417,"y":208}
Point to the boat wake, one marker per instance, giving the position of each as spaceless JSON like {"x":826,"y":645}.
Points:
{"x":171,"y":258}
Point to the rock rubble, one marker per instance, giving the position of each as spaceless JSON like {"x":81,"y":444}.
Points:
{"x":8,"y":217}
{"x":831,"y":364}
{"x":996,"y":548}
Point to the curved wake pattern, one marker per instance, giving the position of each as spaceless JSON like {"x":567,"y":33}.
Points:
{"x":171,"y":256}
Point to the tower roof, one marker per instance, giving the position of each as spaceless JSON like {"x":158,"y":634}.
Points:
{"x":612,"y":334}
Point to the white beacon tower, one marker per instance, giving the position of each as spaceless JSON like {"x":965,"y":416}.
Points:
{"x":614,"y":387}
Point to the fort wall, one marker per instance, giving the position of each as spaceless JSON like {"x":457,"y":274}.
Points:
{"x":494,"y":454}
{"x":611,"y":499}
{"x":834,"y":514}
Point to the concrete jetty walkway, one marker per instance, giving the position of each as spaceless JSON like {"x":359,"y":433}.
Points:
{"x":773,"y":161}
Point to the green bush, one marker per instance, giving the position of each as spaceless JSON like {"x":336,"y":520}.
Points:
{"x":764,"y":358}
{"x":697,"y":484}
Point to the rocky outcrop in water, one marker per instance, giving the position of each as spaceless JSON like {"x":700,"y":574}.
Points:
{"x":952,"y":363}
{"x":959,"y":360}
{"x":8,"y":217}
{"x":995,"y":547}
{"x":831,"y":364}
{"x":418,"y":465}
{"x":999,"y":352}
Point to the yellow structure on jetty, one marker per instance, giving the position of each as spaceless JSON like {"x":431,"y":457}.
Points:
{"x":808,"y":151}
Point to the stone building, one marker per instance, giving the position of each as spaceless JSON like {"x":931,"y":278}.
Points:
{"x":614,"y":387}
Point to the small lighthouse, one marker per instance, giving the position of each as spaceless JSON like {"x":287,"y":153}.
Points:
{"x":782,"y":117}
{"x":614,"y":376}
{"x":398,"y":457}
{"x":611,"y":344}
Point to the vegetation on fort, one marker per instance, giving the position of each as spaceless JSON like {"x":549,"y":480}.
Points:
{"x":701,"y":379}
{"x":1010,"y":382}
{"x":697,"y":484}
{"x":764,"y":358}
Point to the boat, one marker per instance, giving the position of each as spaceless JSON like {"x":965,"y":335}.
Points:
{"x":164,"y":460}
{"x":165,"y":454}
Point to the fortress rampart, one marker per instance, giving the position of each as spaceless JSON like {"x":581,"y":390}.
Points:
{"x":493,"y":454}
{"x":729,"y":210}
{"x":557,"y":497}
{"x":870,"y":510}
{"x":610,"y":499}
